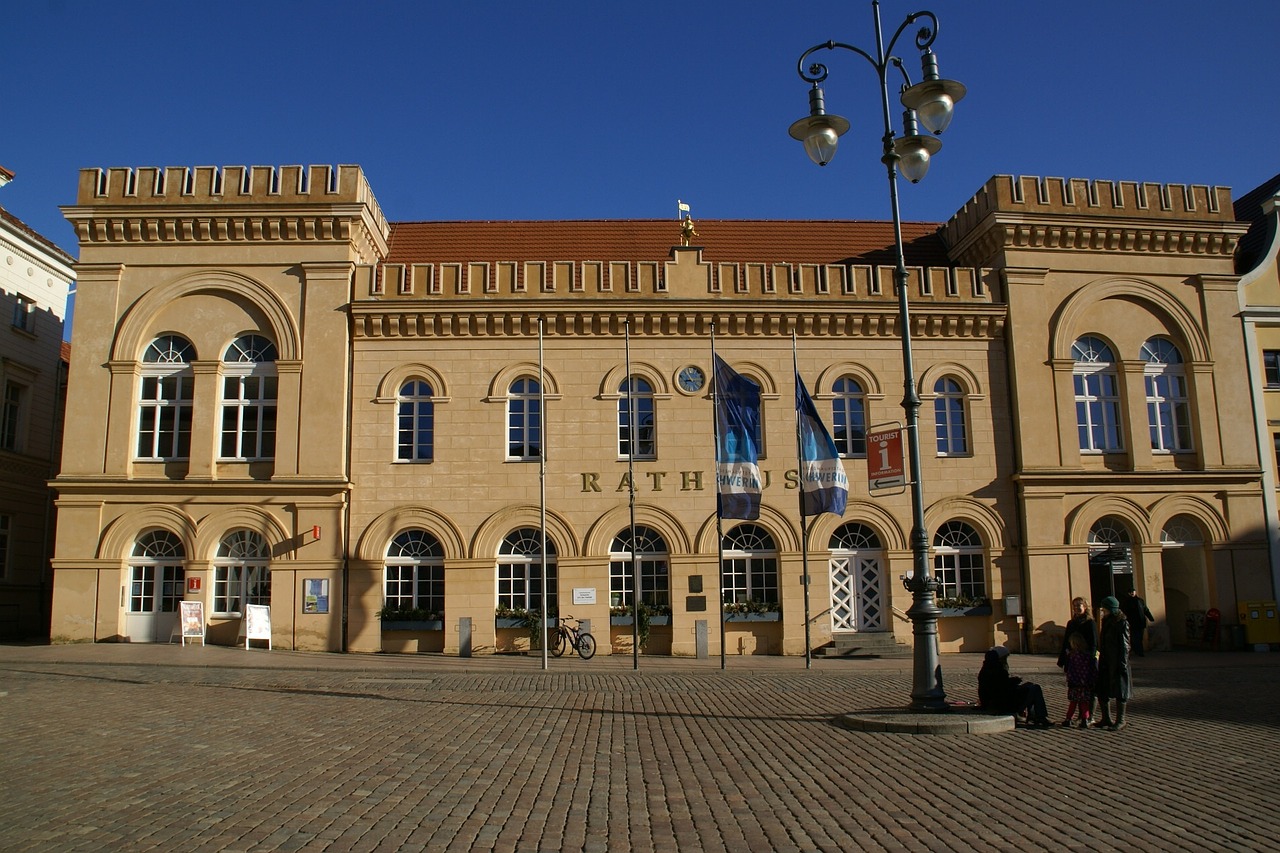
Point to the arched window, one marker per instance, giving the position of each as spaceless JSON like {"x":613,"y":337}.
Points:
{"x":414,"y":573}
{"x":415,"y":422}
{"x":1097,"y":396}
{"x":1181,"y":531}
{"x":849,"y":417}
{"x":750,"y":567}
{"x":520,"y":572}
{"x":1110,"y":557}
{"x":650,"y":554}
{"x":958,"y":563}
{"x":164,"y":413}
{"x":949,"y":419}
{"x":524,"y":419}
{"x":1168,"y":410}
{"x":249,"y":391}
{"x":636,"y":411}
{"x":156,"y":573}
{"x":241,"y":572}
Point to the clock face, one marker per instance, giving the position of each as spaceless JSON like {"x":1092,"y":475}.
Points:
{"x":692,"y":379}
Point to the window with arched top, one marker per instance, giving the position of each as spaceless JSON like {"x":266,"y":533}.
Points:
{"x":524,"y":419}
{"x":156,"y":573}
{"x":647,"y":560}
{"x":249,"y":393}
{"x":414,"y":573}
{"x":949,"y":417}
{"x":1110,"y":548}
{"x":959,"y":563}
{"x":1097,"y":392}
{"x":520,"y":571}
{"x":637,"y":420}
{"x":853,"y":536}
{"x":1181,"y":531}
{"x":415,"y":422}
{"x":750,"y":566}
{"x":849,"y":417}
{"x":1168,"y":408}
{"x":165,"y":395}
{"x":241,"y":572}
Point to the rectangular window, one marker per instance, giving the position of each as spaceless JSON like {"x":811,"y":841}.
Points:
{"x":1271,"y":367}
{"x":520,"y":586}
{"x":655,"y":583}
{"x":11,"y":416}
{"x":164,"y":417}
{"x":418,"y":587}
{"x":249,"y":417}
{"x":22,"y":314}
{"x":235,"y":586}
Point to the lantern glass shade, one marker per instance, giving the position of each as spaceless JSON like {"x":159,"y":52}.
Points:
{"x":820,"y":135}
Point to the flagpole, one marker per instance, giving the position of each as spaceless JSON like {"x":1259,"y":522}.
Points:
{"x":804,"y":525}
{"x":542,"y":488}
{"x":631,"y":500}
{"x":715,"y":432}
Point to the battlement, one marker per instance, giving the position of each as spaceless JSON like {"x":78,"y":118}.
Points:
{"x":227,"y":184}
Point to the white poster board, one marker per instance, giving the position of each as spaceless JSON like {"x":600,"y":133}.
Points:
{"x":584,"y":595}
{"x":257,"y":621}
{"x":191,"y":619}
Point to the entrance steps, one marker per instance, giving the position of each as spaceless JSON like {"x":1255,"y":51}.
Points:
{"x":864,"y":645}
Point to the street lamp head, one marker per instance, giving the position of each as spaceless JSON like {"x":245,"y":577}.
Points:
{"x":914,"y":150}
{"x":818,"y":131}
{"x":933,"y":99}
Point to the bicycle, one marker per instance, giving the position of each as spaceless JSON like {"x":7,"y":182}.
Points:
{"x":572,"y":637}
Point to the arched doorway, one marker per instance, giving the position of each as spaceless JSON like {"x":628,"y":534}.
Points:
{"x":156,"y":577}
{"x":857,"y":580}
{"x":1110,"y":558}
{"x":1186,"y":582}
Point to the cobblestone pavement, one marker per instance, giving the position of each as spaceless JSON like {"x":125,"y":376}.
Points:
{"x":119,"y":747}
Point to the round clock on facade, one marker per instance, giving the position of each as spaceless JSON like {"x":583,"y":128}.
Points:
{"x":691,"y":379}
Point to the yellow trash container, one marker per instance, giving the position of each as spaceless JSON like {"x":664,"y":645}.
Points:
{"x":1261,"y":622}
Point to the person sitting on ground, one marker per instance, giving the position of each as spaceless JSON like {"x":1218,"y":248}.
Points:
{"x":1002,"y":693}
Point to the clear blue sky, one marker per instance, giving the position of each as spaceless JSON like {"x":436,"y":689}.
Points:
{"x":583,"y":109}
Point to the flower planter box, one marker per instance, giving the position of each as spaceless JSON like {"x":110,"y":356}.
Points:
{"x":653,"y":620}
{"x":508,"y":622}
{"x":414,"y":625}
{"x":980,"y":610}
{"x":753,"y":617}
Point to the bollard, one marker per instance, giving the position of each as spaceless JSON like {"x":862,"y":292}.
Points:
{"x":464,"y":637}
{"x":700,"y":638}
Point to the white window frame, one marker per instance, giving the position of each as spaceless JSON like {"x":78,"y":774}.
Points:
{"x":165,"y":390}
{"x":413,"y":573}
{"x":519,"y":568}
{"x":951,"y":417}
{"x":637,"y":407}
{"x":652,"y":564}
{"x":749,"y":571}
{"x":13,"y":416}
{"x":1168,"y":404}
{"x":959,"y":561}
{"x":415,"y":422}
{"x":849,"y":404}
{"x":250,"y":392}
{"x":524,"y":430}
{"x":241,"y":573}
{"x":1097,"y":396}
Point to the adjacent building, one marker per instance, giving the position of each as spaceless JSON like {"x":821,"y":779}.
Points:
{"x":374,"y":427}
{"x":35,"y":278}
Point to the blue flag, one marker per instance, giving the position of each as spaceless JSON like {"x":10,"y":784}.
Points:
{"x":737,"y":425}
{"x":822,"y":477}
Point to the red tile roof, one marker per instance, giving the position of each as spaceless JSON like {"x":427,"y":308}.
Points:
{"x":36,"y":236}
{"x":722,"y":240}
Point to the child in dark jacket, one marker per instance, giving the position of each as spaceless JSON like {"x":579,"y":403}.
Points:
{"x":1082,"y":673}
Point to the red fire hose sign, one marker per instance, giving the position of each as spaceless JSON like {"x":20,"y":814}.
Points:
{"x":885,"y":469}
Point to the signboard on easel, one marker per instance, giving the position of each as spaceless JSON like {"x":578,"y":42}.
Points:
{"x":257,"y":623}
{"x":191,"y":620}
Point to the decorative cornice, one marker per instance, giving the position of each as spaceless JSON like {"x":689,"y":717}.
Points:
{"x":380,"y":321}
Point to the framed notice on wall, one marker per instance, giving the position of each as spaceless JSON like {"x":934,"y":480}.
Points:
{"x":191,"y":617}
{"x":315,"y":595}
{"x":257,"y":623}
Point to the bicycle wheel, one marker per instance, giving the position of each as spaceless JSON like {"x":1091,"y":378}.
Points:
{"x":559,"y":643}
{"x":586,"y":646}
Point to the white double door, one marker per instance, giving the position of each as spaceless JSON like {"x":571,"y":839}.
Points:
{"x":857,"y":591}
{"x":151,"y":609}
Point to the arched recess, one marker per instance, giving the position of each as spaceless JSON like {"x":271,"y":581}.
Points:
{"x":969,"y":380}
{"x":1081,"y":520}
{"x":117,"y":540}
{"x":135,"y":330}
{"x":490,"y":533}
{"x":613,"y":380}
{"x":892,"y":536}
{"x":827,"y":378}
{"x":220,"y":522}
{"x":757,"y":374}
{"x":1065,"y":328}
{"x":371,"y":546}
{"x":776,"y":522}
{"x":1211,"y":521}
{"x":501,"y":382}
{"x":980,"y":516}
{"x":393,"y":381}
{"x":602,"y":532}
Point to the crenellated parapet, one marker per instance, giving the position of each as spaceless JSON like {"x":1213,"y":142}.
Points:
{"x":1056,"y":214}
{"x":229,"y":205}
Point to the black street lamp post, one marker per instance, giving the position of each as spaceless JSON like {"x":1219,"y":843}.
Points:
{"x":930,"y":102}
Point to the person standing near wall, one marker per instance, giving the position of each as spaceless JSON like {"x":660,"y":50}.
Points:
{"x":1138,"y":614}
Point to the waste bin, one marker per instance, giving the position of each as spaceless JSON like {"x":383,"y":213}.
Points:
{"x":1260,"y":621}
